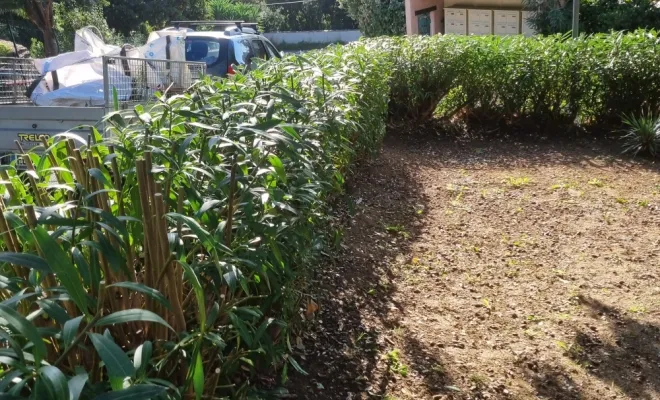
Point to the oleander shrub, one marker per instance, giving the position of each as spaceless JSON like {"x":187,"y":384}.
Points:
{"x":591,"y":79}
{"x":164,"y":260}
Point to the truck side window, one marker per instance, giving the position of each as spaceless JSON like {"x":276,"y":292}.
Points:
{"x":259,"y":49}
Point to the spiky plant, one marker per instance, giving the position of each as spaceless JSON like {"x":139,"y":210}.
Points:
{"x":642,"y":134}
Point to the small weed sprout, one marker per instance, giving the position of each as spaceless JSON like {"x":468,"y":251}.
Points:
{"x":517,"y":182}
{"x":637,"y":309}
{"x":396,"y":366}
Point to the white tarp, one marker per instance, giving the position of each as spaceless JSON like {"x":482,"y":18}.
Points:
{"x":87,"y":39}
{"x":79,"y":80}
{"x":76,"y":78}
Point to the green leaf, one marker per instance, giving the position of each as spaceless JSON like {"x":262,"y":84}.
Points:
{"x":198,"y":376}
{"x":242,"y":329}
{"x":199,"y":293}
{"x":116,"y":361}
{"x":14,"y":346}
{"x":26,"y":260}
{"x":54,"y":382}
{"x":54,"y":310}
{"x":142,"y":357}
{"x":208,"y":205}
{"x":21,"y":325}
{"x":61,"y":265}
{"x":115,"y":99}
{"x":203,"y":126}
{"x":204,"y":236}
{"x":146,"y":290}
{"x":99,"y":176}
{"x":124,"y":316}
{"x":297,"y":366}
{"x":70,"y":330}
{"x":76,"y":386}
{"x":279,"y":167}
{"x":137,"y":392}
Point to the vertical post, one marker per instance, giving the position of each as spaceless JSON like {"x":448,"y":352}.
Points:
{"x":13,"y":39}
{"x":106,"y":83}
{"x":576,"y":18}
{"x":14,"y":72}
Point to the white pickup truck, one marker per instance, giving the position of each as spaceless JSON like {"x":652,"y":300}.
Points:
{"x":135,"y":80}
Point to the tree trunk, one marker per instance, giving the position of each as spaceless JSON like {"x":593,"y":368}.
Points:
{"x":41,"y":14}
{"x":50,"y":44}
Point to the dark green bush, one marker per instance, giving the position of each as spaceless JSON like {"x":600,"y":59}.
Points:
{"x":594,"y":78}
{"x":596,"y":16}
{"x":228,"y":10}
{"x":166,"y":259}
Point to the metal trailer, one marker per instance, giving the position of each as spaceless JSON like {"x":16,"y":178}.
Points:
{"x":21,"y":122}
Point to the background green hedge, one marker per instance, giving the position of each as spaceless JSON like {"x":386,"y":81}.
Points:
{"x":593,"y":79}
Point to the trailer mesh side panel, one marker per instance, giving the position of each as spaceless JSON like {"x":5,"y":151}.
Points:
{"x":16,"y":76}
{"x":135,"y":80}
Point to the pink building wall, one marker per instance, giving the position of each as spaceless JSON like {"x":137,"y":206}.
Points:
{"x":437,"y":15}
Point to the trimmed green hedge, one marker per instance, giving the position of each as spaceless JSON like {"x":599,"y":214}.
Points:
{"x":166,"y":260}
{"x":592,"y":79}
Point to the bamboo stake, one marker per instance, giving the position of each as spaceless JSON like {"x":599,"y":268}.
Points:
{"x":230,"y":205}
{"x":31,"y":217}
{"x":33,"y":183}
{"x":175,"y":294}
{"x":158,"y":248}
{"x":53,"y":161}
{"x":73,"y":162}
{"x":143,"y":186}
{"x":10,"y":240}
{"x":82,"y":178}
{"x":8,"y":185}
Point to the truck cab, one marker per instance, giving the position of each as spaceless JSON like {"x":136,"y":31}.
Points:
{"x":229,"y":44}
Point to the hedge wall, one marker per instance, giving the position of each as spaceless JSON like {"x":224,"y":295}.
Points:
{"x":166,"y":260}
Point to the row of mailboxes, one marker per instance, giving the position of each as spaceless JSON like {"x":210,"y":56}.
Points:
{"x":463,"y":21}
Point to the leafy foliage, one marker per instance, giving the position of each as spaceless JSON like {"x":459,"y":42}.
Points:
{"x":165,"y":258}
{"x":5,"y":50}
{"x":68,"y":20}
{"x":377,"y":17}
{"x":230,"y":10}
{"x":595,"y":78}
{"x":306,"y":16}
{"x":642,"y":134}
{"x":596,"y":16}
{"x":127,"y":16}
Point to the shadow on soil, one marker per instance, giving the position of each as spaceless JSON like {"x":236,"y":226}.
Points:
{"x":346,"y":348}
{"x":627,"y":362}
{"x":631,"y":361}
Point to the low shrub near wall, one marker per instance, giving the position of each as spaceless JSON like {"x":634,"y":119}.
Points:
{"x":592,"y":79}
{"x":166,"y":260}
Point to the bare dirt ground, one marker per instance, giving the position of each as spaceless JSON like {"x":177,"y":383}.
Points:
{"x":491,"y":270}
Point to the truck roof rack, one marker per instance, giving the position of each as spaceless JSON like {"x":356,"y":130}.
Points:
{"x":217,"y":24}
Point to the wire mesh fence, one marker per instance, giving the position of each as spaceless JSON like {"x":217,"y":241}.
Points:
{"x":16,"y":76}
{"x":136,"y":80}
